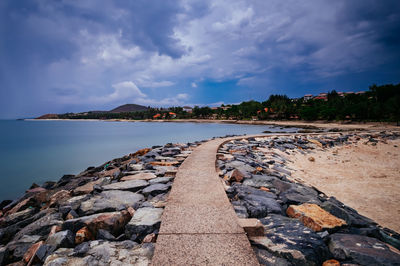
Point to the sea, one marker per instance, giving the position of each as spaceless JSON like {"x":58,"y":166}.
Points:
{"x":39,"y":151}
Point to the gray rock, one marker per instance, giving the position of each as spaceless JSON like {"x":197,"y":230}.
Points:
{"x":104,"y":253}
{"x":290,"y":239}
{"x":112,"y":200}
{"x":292,"y":193}
{"x":144,"y":221}
{"x":135,"y":167}
{"x":17,"y":217}
{"x":105,"y":235}
{"x":240,"y":209}
{"x":156,"y":189}
{"x":62,"y":239}
{"x":44,"y":251}
{"x":362,"y":250}
{"x":281,"y":170}
{"x":260,"y":181}
{"x":162,"y":180}
{"x":131,"y":185}
{"x":266,"y":258}
{"x":41,"y":226}
{"x":15,"y":250}
{"x":351,"y":216}
{"x":2,"y":254}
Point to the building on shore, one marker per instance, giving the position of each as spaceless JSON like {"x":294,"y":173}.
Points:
{"x":187,"y":109}
{"x":307,"y":97}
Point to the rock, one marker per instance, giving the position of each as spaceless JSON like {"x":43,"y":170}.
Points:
{"x":2,"y":254}
{"x":105,"y":235}
{"x":15,"y":250}
{"x":16,"y":217}
{"x":139,"y":176}
{"x":143,"y":222}
{"x":82,"y":248}
{"x":156,"y":189}
{"x":113,"y":222}
{"x":88,"y":187}
{"x":170,"y":163}
{"x":132,"y":185}
{"x":41,"y":226}
{"x":266,"y":258}
{"x":73,"y":203}
{"x":104,"y":253}
{"x":150,"y":238}
{"x":351,"y":216}
{"x":30,"y":253}
{"x":83,"y":235}
{"x":290,"y":239}
{"x":43,"y":252}
{"x":362,"y":250}
{"x":71,"y":215}
{"x":260,"y":181}
{"x":281,"y":170}
{"x":62,"y":239}
{"x":135,"y":167}
{"x":311,"y":159}
{"x":49,"y":185}
{"x":331,"y":263}
{"x":113,"y":200}
{"x":314,"y":217}
{"x":235,"y":176}
{"x":58,"y":197}
{"x":257,"y":202}
{"x":240,"y":210}
{"x":162,"y":180}
{"x":252,"y":227}
{"x":65,"y":179}
{"x":292,"y":193}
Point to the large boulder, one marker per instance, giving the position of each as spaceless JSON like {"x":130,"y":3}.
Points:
{"x":131,"y":185}
{"x":139,"y":176}
{"x":62,"y":239}
{"x":260,"y":181}
{"x":16,"y":217}
{"x":314,"y":217}
{"x":41,"y":226}
{"x":156,"y":189}
{"x":144,"y":221}
{"x":15,"y":250}
{"x":290,"y":239}
{"x":258,"y":203}
{"x":362,"y":250}
{"x":112,"y":200}
{"x":113,"y":222}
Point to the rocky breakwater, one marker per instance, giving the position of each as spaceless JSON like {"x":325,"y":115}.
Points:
{"x":109,"y":214}
{"x":302,"y":226}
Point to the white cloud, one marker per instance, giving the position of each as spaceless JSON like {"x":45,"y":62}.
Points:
{"x":194,"y":85}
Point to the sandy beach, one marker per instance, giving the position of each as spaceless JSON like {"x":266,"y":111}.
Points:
{"x":364,"y":176}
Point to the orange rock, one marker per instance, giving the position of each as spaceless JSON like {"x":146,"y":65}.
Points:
{"x":150,"y":238}
{"x":87,"y":188}
{"x":331,"y":263}
{"x":164,"y":163}
{"x":83,"y":235}
{"x":236,"y":176}
{"x":139,"y":176}
{"x":259,"y":169}
{"x":30,"y":253}
{"x":312,"y":216}
{"x":264,"y":189}
{"x":112,"y":222}
{"x":61,"y":195}
{"x":141,"y":152}
{"x":311,"y":159}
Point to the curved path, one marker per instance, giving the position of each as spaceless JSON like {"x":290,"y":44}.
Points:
{"x":199,"y":225}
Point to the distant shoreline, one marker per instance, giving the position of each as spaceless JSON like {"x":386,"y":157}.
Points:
{"x":297,"y":124}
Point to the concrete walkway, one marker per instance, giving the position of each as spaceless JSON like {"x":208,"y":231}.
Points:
{"x":199,"y":225}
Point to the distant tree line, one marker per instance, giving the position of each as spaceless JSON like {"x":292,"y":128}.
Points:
{"x":379,"y":103}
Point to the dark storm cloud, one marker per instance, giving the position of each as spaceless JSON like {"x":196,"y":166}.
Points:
{"x":89,"y":54}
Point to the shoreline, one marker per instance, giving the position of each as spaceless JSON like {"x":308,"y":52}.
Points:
{"x":281,"y":123}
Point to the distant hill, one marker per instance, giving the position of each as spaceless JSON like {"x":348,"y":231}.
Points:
{"x":48,"y":116}
{"x":126,"y":108}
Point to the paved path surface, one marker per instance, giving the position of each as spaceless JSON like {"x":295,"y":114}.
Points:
{"x":199,"y":225}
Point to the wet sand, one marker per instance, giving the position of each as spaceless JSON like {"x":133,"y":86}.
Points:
{"x":362,"y":176}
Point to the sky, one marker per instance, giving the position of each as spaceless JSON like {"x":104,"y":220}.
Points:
{"x":60,"y":56}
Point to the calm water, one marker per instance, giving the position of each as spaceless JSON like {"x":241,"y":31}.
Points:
{"x":37,"y":151}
